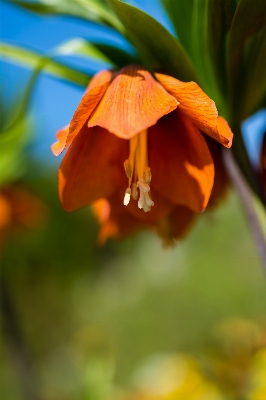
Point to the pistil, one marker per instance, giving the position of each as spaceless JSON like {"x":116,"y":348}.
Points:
{"x":138,"y":171}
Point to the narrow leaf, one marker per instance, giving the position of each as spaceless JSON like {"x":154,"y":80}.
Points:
{"x":92,"y":10}
{"x":118,"y":57}
{"x":201,"y":26}
{"x":180,"y":13}
{"x":255,"y":76}
{"x":221,"y":14}
{"x":157,"y":47}
{"x":249,"y":20}
{"x":12,"y":143}
{"x":30,"y":59}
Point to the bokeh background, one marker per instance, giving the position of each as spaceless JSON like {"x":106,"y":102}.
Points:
{"x":129,"y":320}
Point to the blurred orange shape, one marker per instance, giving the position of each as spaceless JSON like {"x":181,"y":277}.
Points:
{"x":19,"y":209}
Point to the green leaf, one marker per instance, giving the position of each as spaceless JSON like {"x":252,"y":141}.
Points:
{"x":220,"y":14}
{"x":30,"y":59}
{"x":98,"y":51}
{"x":46,"y":63}
{"x":12,"y":143}
{"x":180,"y":13}
{"x":201,"y":53}
{"x":254,"y":90}
{"x":202,"y":26}
{"x":158,"y":49}
{"x":82,"y":47}
{"x":118,"y":57}
{"x":74,"y":46}
{"x":14,"y":135}
{"x":249,"y":20}
{"x":92,"y":10}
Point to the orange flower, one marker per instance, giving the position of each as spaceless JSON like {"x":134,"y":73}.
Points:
{"x":153,"y":126}
{"x":116,"y":222}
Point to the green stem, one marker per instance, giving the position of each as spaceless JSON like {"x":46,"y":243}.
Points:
{"x":242,"y":158}
{"x":17,"y":349}
{"x":247,"y":199}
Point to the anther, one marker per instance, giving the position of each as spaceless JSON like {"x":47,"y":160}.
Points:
{"x":148,"y":200}
{"x":144,"y":187}
{"x":147,"y":175}
{"x":141,"y":199}
{"x":145,"y":202}
{"x":127,"y":197}
{"x":137,"y":170}
{"x":128,"y":169}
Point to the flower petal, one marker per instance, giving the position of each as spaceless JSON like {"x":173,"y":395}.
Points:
{"x":61,"y":136}
{"x":221,"y":180}
{"x":224,"y":132}
{"x":182,"y":220}
{"x":115,"y":221}
{"x":181,"y":163}
{"x":92,"y":168}
{"x":199,"y":108}
{"x":95,"y":92}
{"x":133,"y":102}
{"x":176,"y":225}
{"x":101,"y":78}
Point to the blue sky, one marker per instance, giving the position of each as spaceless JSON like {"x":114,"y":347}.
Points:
{"x":54,"y":102}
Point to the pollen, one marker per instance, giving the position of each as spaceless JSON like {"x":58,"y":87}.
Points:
{"x":127,"y":196}
{"x":138,"y":173}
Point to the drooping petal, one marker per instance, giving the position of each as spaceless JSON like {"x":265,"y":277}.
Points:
{"x":225,"y":135}
{"x":221,"y":180}
{"x":92,"y":168}
{"x":101,"y":209}
{"x":176,"y":225}
{"x":181,"y":163}
{"x":93,"y":95}
{"x":133,"y":102}
{"x":60,"y":145}
{"x":182,"y":221}
{"x":115,"y":221}
{"x":199,"y":108}
{"x":100,"y":79}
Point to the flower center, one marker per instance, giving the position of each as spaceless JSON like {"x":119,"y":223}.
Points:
{"x":138,"y":172}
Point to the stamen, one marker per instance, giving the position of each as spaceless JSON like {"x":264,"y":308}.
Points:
{"x":135,"y":192}
{"x":148,"y":200}
{"x":145,"y":202}
{"x":128,"y":169}
{"x":137,"y":169}
{"x":143,"y":186}
{"x":127,"y":196}
{"x":141,"y":154}
{"x":147,"y":175}
{"x":141,"y":199}
{"x":146,"y":208}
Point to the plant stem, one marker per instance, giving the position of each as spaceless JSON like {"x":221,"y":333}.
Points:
{"x":16,"y":346}
{"x":247,"y":198}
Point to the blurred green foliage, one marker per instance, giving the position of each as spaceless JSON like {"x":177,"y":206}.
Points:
{"x":78,"y":320}
{"x":90,"y":315}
